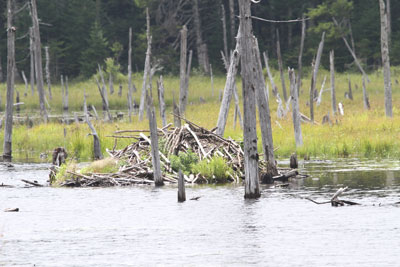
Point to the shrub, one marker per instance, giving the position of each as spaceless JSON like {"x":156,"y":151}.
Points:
{"x":184,"y":161}
{"x":214,"y":170}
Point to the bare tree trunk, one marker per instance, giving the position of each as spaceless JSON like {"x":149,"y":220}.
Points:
{"x":290,"y":27}
{"x":295,"y":108}
{"x":232,"y":22}
{"x":62,"y":91}
{"x":181,"y":187}
{"x":263,"y":111}
{"x":332,"y":69}
{"x":96,"y":141}
{"x":201,"y":46}
{"x":111,"y":83}
{"x":32,"y":61}
{"x":130,"y":90}
{"x":155,"y":154}
{"x":300,"y":60}
{"x":7,"y":146}
{"x":224,"y":32}
{"x":389,"y":21}
{"x":161,"y":100}
{"x":252,"y":187}
{"x":183,"y":68}
{"x":38,"y":61}
{"x":26,"y":83}
{"x":386,"y":59}
{"x":47,"y":68}
{"x":1,"y":71}
{"x":104,"y":96}
{"x":147,"y":68}
{"x":66,"y":103}
{"x":315,"y":75}
{"x":350,"y":91}
{"x":365,"y":95}
{"x":280,"y":63}
{"x":212,"y":81}
{"x":177,"y":120}
{"x":271,"y":79}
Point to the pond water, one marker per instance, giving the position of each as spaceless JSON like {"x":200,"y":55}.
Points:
{"x":139,"y":226}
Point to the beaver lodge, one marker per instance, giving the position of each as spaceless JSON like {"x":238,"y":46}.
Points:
{"x":202,"y":155}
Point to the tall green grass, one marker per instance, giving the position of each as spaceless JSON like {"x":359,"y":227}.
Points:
{"x":359,"y":133}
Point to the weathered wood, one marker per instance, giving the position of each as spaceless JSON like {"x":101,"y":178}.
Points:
{"x":177,"y":120}
{"x":350,"y":90}
{"x":386,"y":59}
{"x":34,"y":183}
{"x":181,"y":187}
{"x":295,"y":108}
{"x":7,"y":145}
{"x":62,"y":91}
{"x":319,"y":99}
{"x":47,"y":69}
{"x":155,"y":156}
{"x":224,"y":35}
{"x":201,"y":46}
{"x":252,"y":187}
{"x":389,"y":22}
{"x":183,"y":65}
{"x":17,"y":103}
{"x":294,"y":164}
{"x":280,"y":64}
{"x":315,"y":75}
{"x":96,"y":141}
{"x":212,"y":81}
{"x":1,"y":71}
{"x":271,"y":79}
{"x":32,"y":61}
{"x":147,"y":68}
{"x":105,"y":103}
{"x":232,"y":22}
{"x":161,"y":100}
{"x":110,"y":83}
{"x":26,"y":83}
{"x":130,"y":89}
{"x":333,"y":92}
{"x":38,"y":61}
{"x":365,"y":95}
{"x":66,"y":100}
{"x":285,"y":176}
{"x":300,"y":60}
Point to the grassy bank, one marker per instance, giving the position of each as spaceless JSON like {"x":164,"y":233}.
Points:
{"x":358,"y":133}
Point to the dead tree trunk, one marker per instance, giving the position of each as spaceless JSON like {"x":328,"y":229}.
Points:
{"x":161,"y":100}
{"x":66,"y":102}
{"x":315,"y":75}
{"x":386,"y":59}
{"x":38,"y":61}
{"x":224,"y":33}
{"x":32,"y":61}
{"x":389,"y":21}
{"x":263,"y":111}
{"x":177,"y":120}
{"x":183,"y":68}
{"x":26,"y":83}
{"x":1,"y":71}
{"x":212,"y":81}
{"x":96,"y":141}
{"x":47,"y":68}
{"x":252,"y":188}
{"x":7,"y":147}
{"x":290,"y":27}
{"x":147,"y":68}
{"x":232,"y":22}
{"x":295,"y":108}
{"x":201,"y":46}
{"x":103,"y":92}
{"x":332,"y":69}
{"x":280,"y":64}
{"x":350,"y":91}
{"x":365,"y":95}
{"x":62,"y":91}
{"x":181,"y":187}
{"x":155,"y":154}
{"x":110,"y":83}
{"x":271,"y":79}
{"x":130,"y":90}
{"x":300,"y":60}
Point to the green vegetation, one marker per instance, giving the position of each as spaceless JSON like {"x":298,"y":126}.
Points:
{"x":184,"y":162}
{"x":215,"y":170}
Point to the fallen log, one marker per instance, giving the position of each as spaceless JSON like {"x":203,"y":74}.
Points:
{"x":34,"y":183}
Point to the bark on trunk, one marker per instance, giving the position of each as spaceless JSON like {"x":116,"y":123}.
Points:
{"x":224,"y":32}
{"x":181,"y":187}
{"x":26,"y":83}
{"x":315,"y":75}
{"x":96,"y":141}
{"x":365,"y":95}
{"x":280,"y":63}
{"x":38,"y":61}
{"x":130,"y":90}
{"x":252,"y":188}
{"x":332,"y":69}
{"x":32,"y":61}
{"x":47,"y":68}
{"x":183,"y":68}
{"x":161,"y":100}
{"x":271,"y":79}
{"x":386,"y":59}
{"x":232,"y":22}
{"x":7,"y":146}
{"x":295,"y":108}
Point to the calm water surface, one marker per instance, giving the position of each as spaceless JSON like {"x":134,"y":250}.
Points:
{"x":139,"y":226}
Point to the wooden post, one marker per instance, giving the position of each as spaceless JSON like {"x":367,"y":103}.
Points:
{"x":47,"y":69}
{"x":66,"y":103}
{"x":96,"y":141}
{"x":332,"y":69}
{"x":130,"y":90}
{"x":365,"y":95}
{"x":271,"y":79}
{"x":38,"y":61}
{"x":252,"y":187}
{"x":183,"y":61}
{"x":155,"y":154}
{"x":294,"y":164}
{"x":161,"y":99}
{"x":7,"y":145}
{"x":263,"y":111}
{"x":181,"y":187}
{"x":228,"y":90}
{"x":295,"y":108}
{"x":17,"y":101}
{"x":32,"y":61}
{"x":26,"y":83}
{"x":300,"y":61}
{"x":147,"y":68}
{"x":280,"y":63}
{"x":315,"y":75}
{"x":224,"y":33}
{"x":386,"y":59}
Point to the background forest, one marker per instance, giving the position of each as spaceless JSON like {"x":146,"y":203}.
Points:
{"x":82,"y":33}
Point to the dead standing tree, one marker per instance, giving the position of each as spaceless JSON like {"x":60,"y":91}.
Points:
{"x":96,"y":141}
{"x":300,"y":60}
{"x":147,"y":68}
{"x":332,"y":69}
{"x":38,"y":61}
{"x":184,"y":72}
{"x":201,"y":46}
{"x":280,"y":64}
{"x":130,"y":90}
{"x":47,"y":68}
{"x":252,"y":188}
{"x":315,"y":75}
{"x":386,"y":58}
{"x":295,"y":108}
{"x":7,"y":147}
{"x":32,"y":61}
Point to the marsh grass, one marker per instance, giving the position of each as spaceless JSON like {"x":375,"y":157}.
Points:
{"x":359,"y":133}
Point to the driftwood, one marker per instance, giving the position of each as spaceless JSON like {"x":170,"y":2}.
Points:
{"x":335,"y":201}
{"x":34,"y":183}
{"x":11,"y":210}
